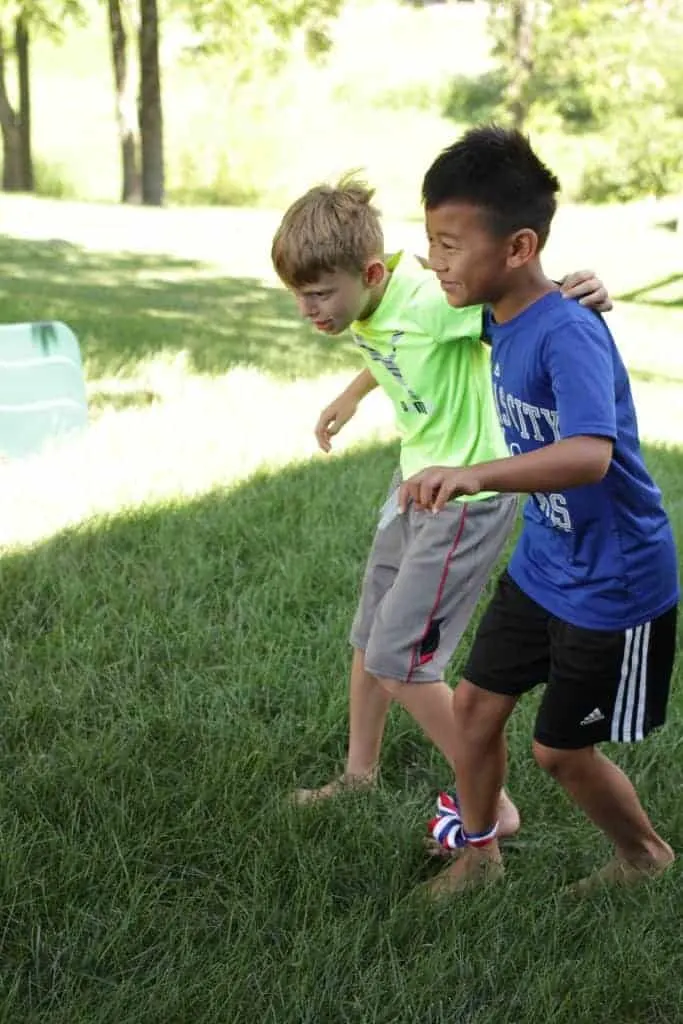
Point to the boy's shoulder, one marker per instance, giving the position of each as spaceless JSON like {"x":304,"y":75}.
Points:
{"x":556,"y":312}
{"x":409,"y":273}
{"x":415,"y":294}
{"x":556,"y":319}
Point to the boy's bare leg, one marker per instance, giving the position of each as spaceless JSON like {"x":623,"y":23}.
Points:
{"x":608,"y":798}
{"x":368,"y":707}
{"x":432,"y":705}
{"x":593,"y":782}
{"x":480,"y":757}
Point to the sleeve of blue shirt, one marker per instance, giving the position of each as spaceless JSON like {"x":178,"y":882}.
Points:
{"x":579,"y":359}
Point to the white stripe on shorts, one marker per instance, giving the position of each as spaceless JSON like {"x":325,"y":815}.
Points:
{"x":632,"y":693}
{"x":642,"y":693}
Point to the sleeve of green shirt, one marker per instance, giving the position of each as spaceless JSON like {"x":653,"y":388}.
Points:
{"x":447,"y":323}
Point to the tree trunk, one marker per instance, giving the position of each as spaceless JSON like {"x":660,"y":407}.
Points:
{"x":21,"y":46}
{"x":131,"y":184}
{"x":11,"y":136}
{"x":517,"y":100}
{"x":150,"y":112}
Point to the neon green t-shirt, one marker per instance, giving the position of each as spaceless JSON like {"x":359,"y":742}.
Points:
{"x":430,"y":360}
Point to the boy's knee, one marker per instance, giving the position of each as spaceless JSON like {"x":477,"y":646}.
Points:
{"x":392,"y":686}
{"x":557,"y":762}
{"x":474,"y":712}
{"x":395,"y":669}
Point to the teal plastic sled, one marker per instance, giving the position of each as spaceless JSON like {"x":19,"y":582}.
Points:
{"x":42,"y":387}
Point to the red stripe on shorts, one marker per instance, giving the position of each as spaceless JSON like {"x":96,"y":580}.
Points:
{"x":415,"y":658}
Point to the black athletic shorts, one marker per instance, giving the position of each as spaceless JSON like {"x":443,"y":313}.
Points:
{"x":601,"y":684}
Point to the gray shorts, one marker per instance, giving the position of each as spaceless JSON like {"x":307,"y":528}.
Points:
{"x":423,"y":579}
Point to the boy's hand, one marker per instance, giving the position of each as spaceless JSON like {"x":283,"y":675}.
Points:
{"x":585,"y":286}
{"x":332,"y":419}
{"x":431,"y":488}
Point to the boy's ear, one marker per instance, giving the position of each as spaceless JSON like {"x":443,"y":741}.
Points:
{"x":523,"y":246}
{"x":374,"y":273}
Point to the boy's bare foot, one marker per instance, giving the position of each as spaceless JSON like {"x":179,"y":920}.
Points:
{"x":509,"y":821}
{"x":620,"y":872}
{"x":335,"y":788}
{"x":473,"y":868}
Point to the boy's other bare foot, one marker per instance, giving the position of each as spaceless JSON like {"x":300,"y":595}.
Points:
{"x":509,"y":821}
{"x":336,"y":787}
{"x":620,"y":872}
{"x":473,"y":868}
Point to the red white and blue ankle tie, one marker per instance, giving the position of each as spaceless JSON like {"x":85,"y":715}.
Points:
{"x":447,"y":827}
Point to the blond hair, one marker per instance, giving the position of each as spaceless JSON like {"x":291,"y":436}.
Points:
{"x":327,"y":229}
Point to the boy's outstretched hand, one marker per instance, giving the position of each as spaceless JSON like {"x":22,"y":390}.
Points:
{"x":431,"y":488}
{"x":587,"y":287}
{"x":332,"y":419}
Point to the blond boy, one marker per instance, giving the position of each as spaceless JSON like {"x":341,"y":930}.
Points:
{"x":424,"y":573}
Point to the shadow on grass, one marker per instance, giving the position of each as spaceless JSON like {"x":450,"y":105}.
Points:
{"x":169,"y":675}
{"x":666,"y":292}
{"x":126,"y":308}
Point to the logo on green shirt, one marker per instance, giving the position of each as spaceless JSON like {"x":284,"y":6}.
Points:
{"x":390,"y":364}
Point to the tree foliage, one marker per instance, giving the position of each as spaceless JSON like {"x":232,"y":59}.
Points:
{"x":49,"y":16}
{"x":591,"y":57}
{"x":607,"y":68}
{"x":263,"y":26}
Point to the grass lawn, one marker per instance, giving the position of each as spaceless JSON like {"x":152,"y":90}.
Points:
{"x":176,"y":592}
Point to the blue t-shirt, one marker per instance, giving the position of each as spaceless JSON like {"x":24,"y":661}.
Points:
{"x":600,"y":556}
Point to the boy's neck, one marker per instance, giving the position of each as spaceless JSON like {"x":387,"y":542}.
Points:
{"x":530,"y":286}
{"x":375,"y":296}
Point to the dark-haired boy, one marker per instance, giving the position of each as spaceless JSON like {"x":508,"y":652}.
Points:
{"x":588,"y":603}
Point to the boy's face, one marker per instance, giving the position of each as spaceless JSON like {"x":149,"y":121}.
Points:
{"x":471,"y":263}
{"x":335,"y":300}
